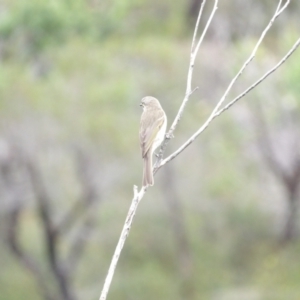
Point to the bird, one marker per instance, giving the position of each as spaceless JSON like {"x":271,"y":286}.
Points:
{"x":153,"y":127}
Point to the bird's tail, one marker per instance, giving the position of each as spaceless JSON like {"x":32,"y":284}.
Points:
{"x":148,"y":173}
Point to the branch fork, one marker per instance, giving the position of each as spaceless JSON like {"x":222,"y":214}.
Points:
{"x":215,"y":113}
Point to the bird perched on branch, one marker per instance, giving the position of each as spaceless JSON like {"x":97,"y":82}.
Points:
{"x":152,"y":132}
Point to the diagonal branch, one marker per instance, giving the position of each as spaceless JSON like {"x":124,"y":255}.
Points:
{"x":139,"y":195}
{"x":193,"y":56}
{"x":290,"y":52}
{"x":223,"y":98}
{"x":197,"y":24}
{"x":189,"y":91}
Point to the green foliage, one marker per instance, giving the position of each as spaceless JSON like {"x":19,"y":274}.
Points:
{"x":33,"y":26}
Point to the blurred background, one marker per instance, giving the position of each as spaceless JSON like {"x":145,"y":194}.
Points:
{"x":221,"y":222}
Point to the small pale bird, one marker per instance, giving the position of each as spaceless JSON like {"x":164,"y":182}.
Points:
{"x":152,"y":132}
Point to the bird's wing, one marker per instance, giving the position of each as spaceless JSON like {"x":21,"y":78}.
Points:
{"x":149,"y":128}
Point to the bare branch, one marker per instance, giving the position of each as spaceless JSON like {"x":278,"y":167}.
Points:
{"x":191,"y":67}
{"x":189,"y":91}
{"x":125,"y":231}
{"x":139,"y":195}
{"x":197,"y":24}
{"x":293,"y":49}
{"x":221,"y":101}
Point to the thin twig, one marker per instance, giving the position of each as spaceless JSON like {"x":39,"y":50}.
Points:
{"x":197,"y":25}
{"x":293,"y":49}
{"x":191,"y":68}
{"x":125,"y":231}
{"x":221,"y":101}
{"x":189,"y":91}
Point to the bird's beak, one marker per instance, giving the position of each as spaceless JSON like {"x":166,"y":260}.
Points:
{"x":141,"y":104}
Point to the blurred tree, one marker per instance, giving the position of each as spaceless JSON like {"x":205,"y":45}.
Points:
{"x":62,"y":266}
{"x":280,"y":149}
{"x":27,"y":29}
